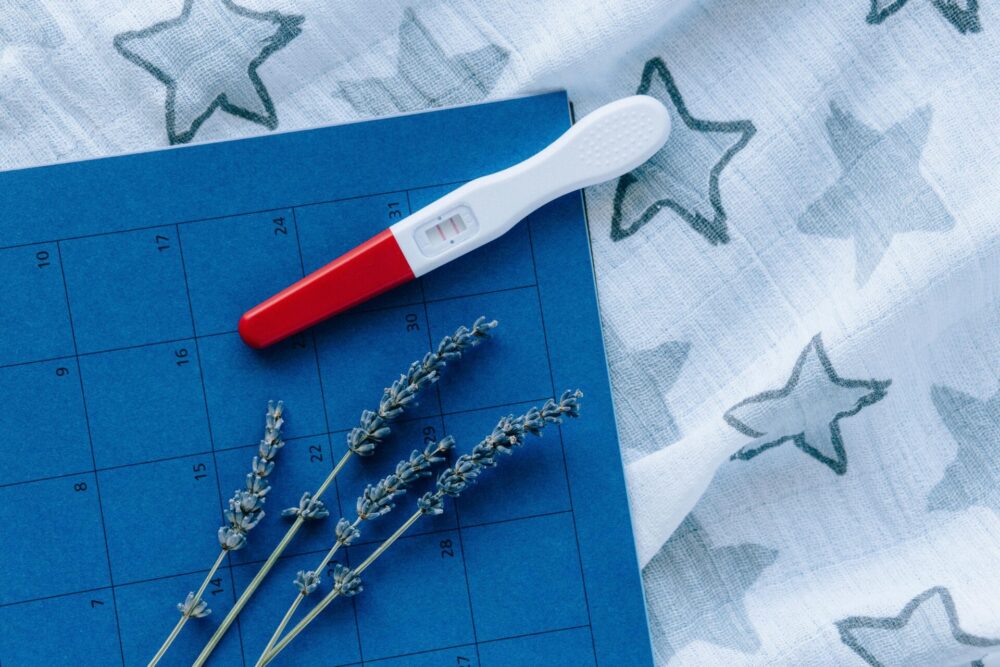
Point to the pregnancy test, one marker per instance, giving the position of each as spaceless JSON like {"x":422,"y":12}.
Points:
{"x":605,"y":144}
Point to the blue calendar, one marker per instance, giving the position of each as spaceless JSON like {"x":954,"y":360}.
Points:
{"x":132,"y":408}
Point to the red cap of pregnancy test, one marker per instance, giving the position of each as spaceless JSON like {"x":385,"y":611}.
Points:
{"x":366,"y":271}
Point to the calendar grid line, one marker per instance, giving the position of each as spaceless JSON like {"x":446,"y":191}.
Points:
{"x":374,"y":309}
{"x":326,"y":415}
{"x":444,"y":428}
{"x":240,"y":214}
{"x":208,"y":419}
{"x":562,"y":446}
{"x":317,"y":552}
{"x":295,"y":554}
{"x":93,"y":456}
{"x":311,"y":436}
{"x":452,"y":647}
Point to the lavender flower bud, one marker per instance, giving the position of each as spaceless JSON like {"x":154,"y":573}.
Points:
{"x":346,"y":533}
{"x":306,"y":582}
{"x":257,"y":485}
{"x":434,"y":451}
{"x":232,"y":539}
{"x":246,"y":502}
{"x":345,"y":581}
{"x":309,"y":508}
{"x":451,"y":483}
{"x":377,"y":500}
{"x":193,"y":609}
{"x":261,"y":467}
{"x":242,"y":522}
{"x":431,"y":504}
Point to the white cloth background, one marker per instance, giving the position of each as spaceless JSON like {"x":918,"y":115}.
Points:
{"x":808,"y":276}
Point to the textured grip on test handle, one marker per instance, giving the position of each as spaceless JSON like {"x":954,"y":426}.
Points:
{"x":611,"y":141}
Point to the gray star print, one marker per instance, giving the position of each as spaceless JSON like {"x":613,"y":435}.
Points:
{"x":974,"y":476}
{"x":965,"y":17}
{"x":208,"y":58}
{"x":806,"y":411}
{"x":880,"y":191}
{"x":683,"y":176}
{"x":695,"y":591}
{"x":28,"y":23}
{"x":926,"y":632}
{"x":426,"y":76}
{"x":642,"y":378}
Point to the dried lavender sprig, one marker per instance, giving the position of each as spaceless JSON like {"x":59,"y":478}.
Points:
{"x":246,"y":509}
{"x":376,"y":501}
{"x":363,"y":439}
{"x":510,"y":432}
{"x":374,"y":426}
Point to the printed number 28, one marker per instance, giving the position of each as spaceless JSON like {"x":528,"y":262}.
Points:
{"x":447,"y":550}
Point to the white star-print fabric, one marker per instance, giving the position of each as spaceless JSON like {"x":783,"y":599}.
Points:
{"x":800,"y":292}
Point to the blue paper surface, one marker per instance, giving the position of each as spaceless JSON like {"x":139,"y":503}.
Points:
{"x":133,"y":409}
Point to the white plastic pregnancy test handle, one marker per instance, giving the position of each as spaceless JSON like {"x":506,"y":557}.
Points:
{"x":605,"y":144}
